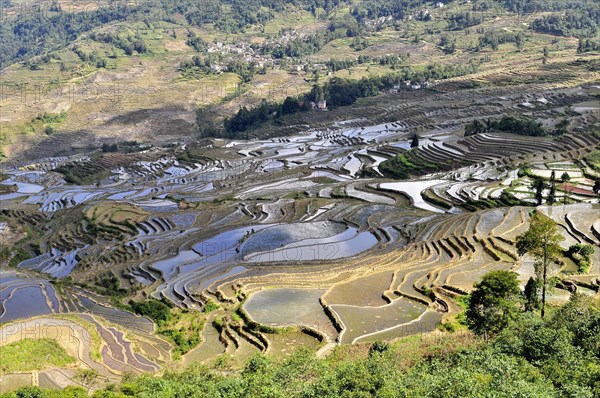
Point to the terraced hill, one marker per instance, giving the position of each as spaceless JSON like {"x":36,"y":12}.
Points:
{"x":158,"y":243}
{"x":266,"y":250}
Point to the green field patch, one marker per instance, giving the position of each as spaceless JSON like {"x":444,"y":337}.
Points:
{"x":29,"y":354}
{"x":406,"y":164}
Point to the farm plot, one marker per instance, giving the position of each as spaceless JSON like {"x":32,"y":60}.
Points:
{"x":362,"y":321}
{"x":290,"y":307}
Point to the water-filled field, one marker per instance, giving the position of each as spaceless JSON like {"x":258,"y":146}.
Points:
{"x":289,"y":307}
{"x":304,"y":230}
{"x":364,"y":321}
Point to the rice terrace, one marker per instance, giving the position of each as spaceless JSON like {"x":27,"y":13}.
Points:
{"x":308,"y":198}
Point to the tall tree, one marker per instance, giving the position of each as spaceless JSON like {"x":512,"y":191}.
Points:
{"x":541,"y":241}
{"x":415,"y":141}
{"x":539,"y":185}
{"x":565,"y":178}
{"x":531,"y":293}
{"x":552,"y":194}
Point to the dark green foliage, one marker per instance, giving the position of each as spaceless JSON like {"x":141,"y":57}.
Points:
{"x":507,"y":124}
{"x":463,"y":20}
{"x":552,"y":194}
{"x":448,"y":45}
{"x":243,"y":69}
{"x":127,"y":43}
{"x":29,"y":33}
{"x":183,"y":340}
{"x":531,"y":293}
{"x":196,"y":42}
{"x":538,"y":185}
{"x":565,"y":349}
{"x":379,"y":347}
{"x":303,"y":46}
{"x":290,"y":106}
{"x":247,"y":118}
{"x":494,"y":38}
{"x":109,"y":147}
{"x":30,"y":392}
{"x":337,"y":92}
{"x":519,"y":126}
{"x":493,"y":303}
{"x":359,"y":43}
{"x":581,"y":316}
{"x":397,"y":9}
{"x":415,"y":141}
{"x":50,"y":117}
{"x":156,"y":310}
{"x":576,"y":22}
{"x":582,"y":256}
{"x":593,"y":160}
{"x":110,"y":285}
{"x":19,"y":255}
{"x":210,"y":306}
{"x":406,"y":164}
{"x":587,"y":46}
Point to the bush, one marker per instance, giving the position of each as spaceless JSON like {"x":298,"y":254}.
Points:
{"x":493,"y":303}
{"x":156,"y":310}
{"x":582,"y":256}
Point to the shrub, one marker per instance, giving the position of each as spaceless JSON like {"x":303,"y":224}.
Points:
{"x":156,"y":310}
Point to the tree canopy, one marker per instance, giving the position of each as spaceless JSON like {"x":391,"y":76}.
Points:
{"x":493,"y":303}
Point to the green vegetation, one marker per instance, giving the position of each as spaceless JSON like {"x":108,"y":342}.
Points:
{"x":541,"y":241}
{"x":50,"y":118}
{"x":492,"y":305}
{"x":182,"y":327}
{"x":30,"y":354}
{"x":156,"y":310}
{"x":430,"y":196}
{"x":531,"y":357}
{"x":35,"y":31}
{"x":509,"y":124}
{"x":531,"y":293}
{"x":80,"y":176}
{"x":576,"y":22}
{"x":593,"y":160}
{"x":406,"y":164}
{"x":587,"y":45}
{"x":211,"y":306}
{"x":19,"y":255}
{"x":582,"y":256}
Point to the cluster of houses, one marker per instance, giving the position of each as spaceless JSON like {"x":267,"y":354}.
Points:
{"x":245,"y":52}
{"x":412,"y":86}
{"x":250,"y":53}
